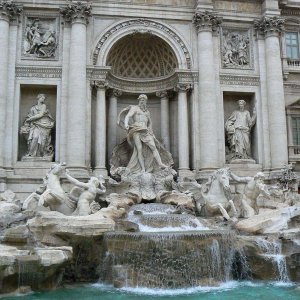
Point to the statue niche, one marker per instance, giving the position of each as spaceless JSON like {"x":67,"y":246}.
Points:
{"x":36,"y":129}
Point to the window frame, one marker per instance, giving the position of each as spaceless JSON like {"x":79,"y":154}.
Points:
{"x":297,"y":46}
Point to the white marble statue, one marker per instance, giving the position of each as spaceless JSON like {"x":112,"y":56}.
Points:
{"x":238,"y":129}
{"x":141,"y":152}
{"x":90,"y":190}
{"x":37,"y":128}
{"x":215,"y":198}
{"x":254,"y":187}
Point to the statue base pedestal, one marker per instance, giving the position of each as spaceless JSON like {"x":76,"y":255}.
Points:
{"x":242,"y":161}
{"x":37,"y":158}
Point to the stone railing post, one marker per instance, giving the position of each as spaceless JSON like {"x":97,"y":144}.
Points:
{"x":77,"y":14}
{"x":206,"y":22}
{"x":271,"y":28}
{"x":8,"y":12}
{"x":164,"y":118}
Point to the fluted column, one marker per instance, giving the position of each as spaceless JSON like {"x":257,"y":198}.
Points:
{"x":112,"y":119}
{"x":8,"y":12}
{"x":100,"y":132}
{"x":271,"y":27}
{"x":207,"y":22}
{"x":183,"y":128}
{"x":164,"y":118}
{"x":77,"y":13}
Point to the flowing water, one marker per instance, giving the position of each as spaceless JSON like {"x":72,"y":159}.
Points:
{"x":232,"y":290}
{"x":272,"y":251}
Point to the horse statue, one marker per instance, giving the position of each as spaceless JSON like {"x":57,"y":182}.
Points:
{"x":216,"y":197}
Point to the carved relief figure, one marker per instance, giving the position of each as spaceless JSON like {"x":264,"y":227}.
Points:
{"x":146,"y":149}
{"x":40,"y":42}
{"x":37,"y":128}
{"x":238,"y":129}
{"x":235,"y":52}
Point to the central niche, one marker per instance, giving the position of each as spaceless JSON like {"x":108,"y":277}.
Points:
{"x":141,"y":55}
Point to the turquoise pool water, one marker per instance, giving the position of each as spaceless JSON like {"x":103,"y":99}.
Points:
{"x":229,"y":291}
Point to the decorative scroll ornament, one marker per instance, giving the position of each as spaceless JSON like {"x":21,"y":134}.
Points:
{"x":206,"y":20}
{"x":76,"y":10}
{"x":9,"y":9}
{"x":269,"y":25}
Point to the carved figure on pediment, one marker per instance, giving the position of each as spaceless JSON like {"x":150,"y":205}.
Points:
{"x":238,"y":128}
{"x":36,"y":129}
{"x":39,"y":42}
{"x":235,"y":52}
{"x":141,"y":152}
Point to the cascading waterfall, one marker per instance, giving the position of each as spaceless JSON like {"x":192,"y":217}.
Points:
{"x":272,"y":251}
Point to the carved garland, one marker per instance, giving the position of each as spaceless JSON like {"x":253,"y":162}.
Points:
{"x":145,"y":23}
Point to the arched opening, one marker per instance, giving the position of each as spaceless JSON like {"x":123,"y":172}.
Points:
{"x":142,"y":56}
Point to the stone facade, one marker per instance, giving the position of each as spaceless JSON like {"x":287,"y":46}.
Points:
{"x":193,"y":59}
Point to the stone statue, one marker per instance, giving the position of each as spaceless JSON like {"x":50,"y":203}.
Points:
{"x":235,"y":49}
{"x":90,"y":190}
{"x":146,"y":153}
{"x":37,"y":128}
{"x":38,"y":42}
{"x":238,"y":129}
{"x":254,"y":187}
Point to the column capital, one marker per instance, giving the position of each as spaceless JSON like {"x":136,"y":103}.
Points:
{"x":77,"y":12}
{"x":9,"y":10}
{"x":114,"y":93}
{"x":269,"y":25}
{"x":183,"y":87}
{"x":100,"y":84}
{"x":164,"y":94}
{"x":206,"y":21}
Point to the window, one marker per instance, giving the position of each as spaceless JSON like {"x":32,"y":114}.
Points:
{"x":292,"y":45}
{"x":296,"y":130}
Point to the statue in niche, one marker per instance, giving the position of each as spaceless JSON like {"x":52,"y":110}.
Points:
{"x":238,"y":129}
{"x":39,"y":42}
{"x":36,"y":129}
{"x":146,"y":153}
{"x":235,"y":49}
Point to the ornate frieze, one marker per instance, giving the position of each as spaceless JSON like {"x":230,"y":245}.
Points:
{"x":9,"y":10}
{"x":40,"y":38}
{"x":269,"y":25}
{"x":239,"y":80}
{"x":76,"y":11}
{"x":147,"y":24}
{"x":38,"y":72}
{"x":236,"y":49}
{"x":206,"y":20}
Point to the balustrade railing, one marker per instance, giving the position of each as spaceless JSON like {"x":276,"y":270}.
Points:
{"x":294,"y":152}
{"x":293,"y":62}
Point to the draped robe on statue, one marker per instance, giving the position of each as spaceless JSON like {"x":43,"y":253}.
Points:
{"x":126,"y":154}
{"x":238,"y":127}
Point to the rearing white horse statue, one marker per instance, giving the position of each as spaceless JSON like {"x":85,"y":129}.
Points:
{"x":217,"y":197}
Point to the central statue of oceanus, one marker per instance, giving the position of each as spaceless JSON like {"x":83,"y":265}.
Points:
{"x":141,"y":152}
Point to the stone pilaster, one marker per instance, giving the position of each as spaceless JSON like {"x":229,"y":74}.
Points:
{"x":164,"y":118}
{"x":8,"y":12}
{"x":100,"y":132}
{"x":77,"y":14}
{"x":271,"y":28}
{"x":205,"y":23}
{"x":183,"y":129}
{"x":113,"y":95}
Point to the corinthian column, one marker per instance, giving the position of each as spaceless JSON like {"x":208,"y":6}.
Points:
{"x":271,"y":28}
{"x":100,"y":132}
{"x":112,"y":119}
{"x":206,"y":22}
{"x":164,"y":118}
{"x":77,"y":14}
{"x":183,"y":129}
{"x":8,"y":12}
